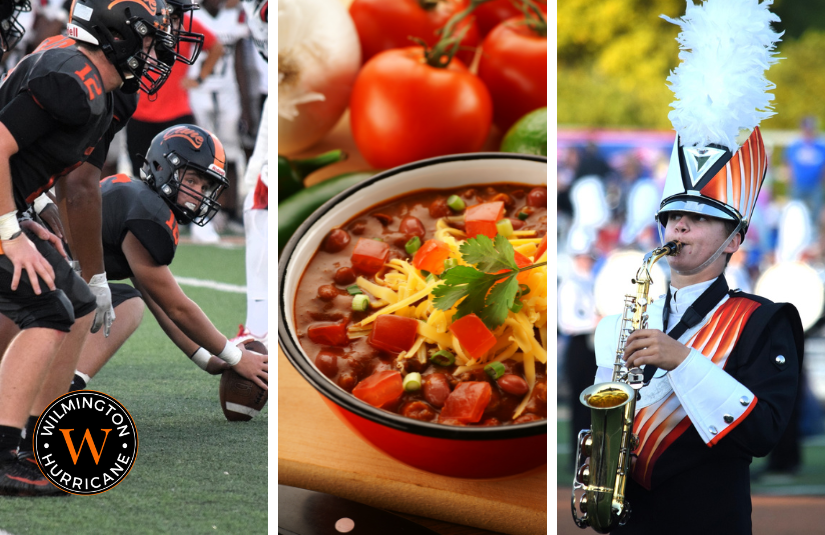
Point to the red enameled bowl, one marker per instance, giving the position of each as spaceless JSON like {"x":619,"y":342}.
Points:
{"x":467,"y":452}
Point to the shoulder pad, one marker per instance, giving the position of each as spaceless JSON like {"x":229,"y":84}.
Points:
{"x":66,"y":84}
{"x":124,"y":107}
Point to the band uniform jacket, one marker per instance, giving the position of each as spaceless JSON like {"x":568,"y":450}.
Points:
{"x":701,"y":424}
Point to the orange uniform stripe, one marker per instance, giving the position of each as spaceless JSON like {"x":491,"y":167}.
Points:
{"x":660,"y":424}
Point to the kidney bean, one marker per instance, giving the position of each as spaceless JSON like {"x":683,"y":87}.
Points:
{"x":347,"y":381}
{"x":540,"y":391}
{"x":513,"y":384}
{"x":439,"y":208}
{"x":344,"y":276}
{"x":436,"y":389}
{"x":327,"y":363}
{"x":517,"y":194}
{"x":418,"y":410}
{"x":412,"y":226}
{"x":517,"y":223}
{"x":383,"y":218}
{"x":358,"y":227}
{"x":327,"y":292}
{"x":537,"y":197}
{"x":336,"y":240}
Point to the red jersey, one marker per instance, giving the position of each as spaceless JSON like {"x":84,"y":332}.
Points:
{"x":172,"y":100}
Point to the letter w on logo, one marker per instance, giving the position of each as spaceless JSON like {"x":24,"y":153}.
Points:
{"x":86,"y":437}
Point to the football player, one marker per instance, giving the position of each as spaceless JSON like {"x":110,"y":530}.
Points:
{"x":54,"y":107}
{"x":182,"y":177}
{"x":256,"y":204}
{"x":11,"y":31}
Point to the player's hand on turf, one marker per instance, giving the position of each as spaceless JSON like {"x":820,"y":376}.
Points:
{"x":216,"y":366}
{"x":253,"y":366}
{"x":51,"y":216}
{"x":104,"y":313}
{"x":43,"y":233}
{"x":24,"y":255}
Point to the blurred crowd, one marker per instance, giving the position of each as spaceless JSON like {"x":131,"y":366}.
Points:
{"x":223,"y":91}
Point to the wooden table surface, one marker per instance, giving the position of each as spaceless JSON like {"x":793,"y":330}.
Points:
{"x":316,"y":451}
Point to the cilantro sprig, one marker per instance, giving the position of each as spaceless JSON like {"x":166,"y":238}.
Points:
{"x":477,"y":285}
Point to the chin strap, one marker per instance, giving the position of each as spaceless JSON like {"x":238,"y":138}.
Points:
{"x":712,"y":258}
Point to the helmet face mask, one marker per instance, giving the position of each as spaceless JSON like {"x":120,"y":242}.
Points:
{"x":11,"y":31}
{"x":134,"y":36}
{"x":181,"y":29}
{"x":180,"y":150}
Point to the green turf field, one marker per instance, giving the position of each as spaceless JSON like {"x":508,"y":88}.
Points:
{"x":194,"y":472}
{"x":810,"y":480}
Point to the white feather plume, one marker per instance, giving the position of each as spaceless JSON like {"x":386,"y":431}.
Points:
{"x":720,"y":86}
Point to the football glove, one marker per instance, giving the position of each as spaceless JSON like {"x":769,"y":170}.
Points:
{"x":105,"y":313}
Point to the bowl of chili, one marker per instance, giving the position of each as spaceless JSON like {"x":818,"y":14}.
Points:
{"x":439,"y":410}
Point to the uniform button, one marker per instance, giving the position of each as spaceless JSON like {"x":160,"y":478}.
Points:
{"x":712,"y":430}
{"x":728,"y":419}
{"x":780,"y":360}
{"x":744,"y":401}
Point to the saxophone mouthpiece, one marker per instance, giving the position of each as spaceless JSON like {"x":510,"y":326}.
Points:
{"x":674,"y":247}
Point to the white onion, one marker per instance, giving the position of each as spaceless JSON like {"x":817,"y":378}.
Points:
{"x":318,"y":58}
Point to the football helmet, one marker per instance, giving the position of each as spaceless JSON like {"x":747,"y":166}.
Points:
{"x":182,"y":29}
{"x":11,"y":31}
{"x":121,"y":29}
{"x":175,"y":151}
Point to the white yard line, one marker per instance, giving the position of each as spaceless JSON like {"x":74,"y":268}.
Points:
{"x":212,"y":285}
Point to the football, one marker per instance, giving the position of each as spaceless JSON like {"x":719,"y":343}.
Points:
{"x":241,"y":399}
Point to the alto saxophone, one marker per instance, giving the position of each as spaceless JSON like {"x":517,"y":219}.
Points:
{"x":610,"y":439}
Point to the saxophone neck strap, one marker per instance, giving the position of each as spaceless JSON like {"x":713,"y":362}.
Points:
{"x":692,"y":316}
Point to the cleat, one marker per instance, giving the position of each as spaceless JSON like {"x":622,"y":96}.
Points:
{"x":21,"y":478}
{"x":27,"y":459}
{"x":243,"y":336}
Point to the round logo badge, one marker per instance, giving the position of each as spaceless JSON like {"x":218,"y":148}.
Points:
{"x":85,"y":442}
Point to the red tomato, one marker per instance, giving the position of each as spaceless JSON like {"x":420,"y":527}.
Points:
{"x":473,"y":335}
{"x":369,"y":255}
{"x":467,"y":402}
{"x":383,"y":25}
{"x":489,"y":15}
{"x":403,"y":110}
{"x":513,"y":66}
{"x":431,"y":256}
{"x":380,"y":388}
{"x":393,"y":333}
{"x":329,"y":334}
{"x":482,"y":219}
{"x":542,"y":248}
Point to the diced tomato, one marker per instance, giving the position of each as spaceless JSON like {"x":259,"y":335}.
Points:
{"x":393,"y":333}
{"x":369,"y":255}
{"x":542,"y":248}
{"x":380,"y":389}
{"x":522,"y":261}
{"x":473,"y":335}
{"x":431,"y":256}
{"x":329,"y":334}
{"x":482,"y":219}
{"x":467,"y":402}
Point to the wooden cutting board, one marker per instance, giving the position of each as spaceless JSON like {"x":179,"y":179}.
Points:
{"x":316,"y":451}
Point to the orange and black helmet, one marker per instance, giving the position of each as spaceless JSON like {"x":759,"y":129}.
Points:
{"x":121,"y":28}
{"x":175,"y":151}
{"x":11,"y":31}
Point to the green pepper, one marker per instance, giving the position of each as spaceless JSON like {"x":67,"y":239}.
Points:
{"x":291,"y":173}
{"x":294,"y":210}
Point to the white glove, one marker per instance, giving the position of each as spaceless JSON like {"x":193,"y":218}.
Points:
{"x":104,"y":314}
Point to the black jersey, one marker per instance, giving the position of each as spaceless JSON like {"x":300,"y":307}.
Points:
{"x":131,"y":205}
{"x":67,"y":86}
{"x":124,"y":106}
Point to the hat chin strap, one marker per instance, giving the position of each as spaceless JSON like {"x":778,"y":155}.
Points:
{"x":712,"y":258}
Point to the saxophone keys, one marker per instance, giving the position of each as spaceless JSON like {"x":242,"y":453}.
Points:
{"x":583,"y":475}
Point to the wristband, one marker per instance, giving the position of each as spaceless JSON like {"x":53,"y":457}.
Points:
{"x":231,"y":354}
{"x":201,"y":358}
{"x":9,"y":226}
